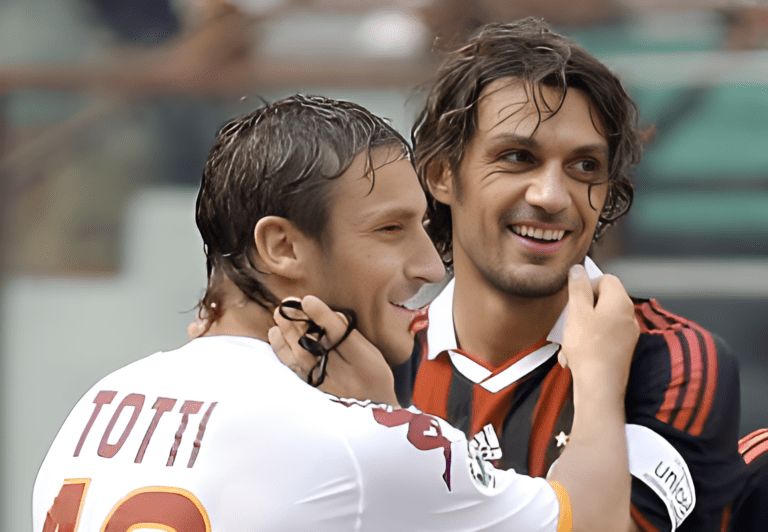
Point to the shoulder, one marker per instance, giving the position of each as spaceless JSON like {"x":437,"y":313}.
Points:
{"x":676,"y":339}
{"x":682,"y":371}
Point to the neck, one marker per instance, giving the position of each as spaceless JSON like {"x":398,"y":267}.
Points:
{"x":250,"y":319}
{"x":494,"y":325}
{"x":240,"y":316}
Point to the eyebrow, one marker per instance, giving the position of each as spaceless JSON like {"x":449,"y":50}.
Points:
{"x":533,"y":144}
{"x":395,"y":212}
{"x":400,"y":214}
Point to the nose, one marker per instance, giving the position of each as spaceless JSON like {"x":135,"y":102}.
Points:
{"x":549,"y":189}
{"x":425,"y":265}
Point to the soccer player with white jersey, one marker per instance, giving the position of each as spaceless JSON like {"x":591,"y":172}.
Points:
{"x":315,"y":196}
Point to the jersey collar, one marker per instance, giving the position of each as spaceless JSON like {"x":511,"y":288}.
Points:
{"x":441,"y":334}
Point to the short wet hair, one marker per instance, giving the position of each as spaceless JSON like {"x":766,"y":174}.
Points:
{"x":279,"y":160}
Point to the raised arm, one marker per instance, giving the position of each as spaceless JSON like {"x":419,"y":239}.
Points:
{"x":598,"y":342}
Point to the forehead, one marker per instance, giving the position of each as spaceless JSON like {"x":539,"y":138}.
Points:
{"x":520,"y":108}
{"x":393,"y":189}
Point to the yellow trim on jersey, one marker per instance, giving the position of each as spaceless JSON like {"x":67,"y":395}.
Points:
{"x":86,"y":482}
{"x":160,"y":489}
{"x":152,"y":526}
{"x":565,"y":522}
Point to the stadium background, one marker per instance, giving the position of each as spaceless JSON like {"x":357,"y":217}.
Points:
{"x":108,"y":107}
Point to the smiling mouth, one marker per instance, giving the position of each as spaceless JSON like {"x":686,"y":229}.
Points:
{"x":538,"y":234}
{"x":409,"y":306}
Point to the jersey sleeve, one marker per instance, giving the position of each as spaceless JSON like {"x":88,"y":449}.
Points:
{"x":682,"y":413}
{"x":419,"y":473}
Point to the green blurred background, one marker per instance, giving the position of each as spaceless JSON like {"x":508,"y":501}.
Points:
{"x":108,"y":108}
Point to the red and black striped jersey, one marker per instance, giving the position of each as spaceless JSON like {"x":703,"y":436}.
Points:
{"x":682,"y":407}
{"x":750,"y":510}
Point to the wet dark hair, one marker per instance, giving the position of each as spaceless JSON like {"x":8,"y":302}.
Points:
{"x":531,"y":52}
{"x":279,"y":160}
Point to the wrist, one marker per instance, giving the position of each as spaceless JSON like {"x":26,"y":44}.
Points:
{"x":600,"y":392}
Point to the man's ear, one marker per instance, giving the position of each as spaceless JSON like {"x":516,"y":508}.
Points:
{"x":281,"y":247}
{"x":440,"y":182}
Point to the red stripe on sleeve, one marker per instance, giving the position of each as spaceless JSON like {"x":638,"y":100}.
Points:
{"x":755,"y":451}
{"x":710,"y":354}
{"x":653,"y":317}
{"x":554,"y":392}
{"x":641,"y":520}
{"x":692,"y":387}
{"x":754,"y":445}
{"x":677,"y":375}
{"x":726,"y":519}
{"x":751,"y":439}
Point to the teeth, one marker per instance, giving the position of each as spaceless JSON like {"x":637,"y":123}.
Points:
{"x":538,"y":233}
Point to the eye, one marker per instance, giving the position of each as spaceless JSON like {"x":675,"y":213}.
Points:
{"x":518,"y":156}
{"x":392,"y":228}
{"x":589,"y":171}
{"x":587,"y":165}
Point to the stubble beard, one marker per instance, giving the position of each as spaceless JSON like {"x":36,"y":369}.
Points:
{"x":527,"y":286}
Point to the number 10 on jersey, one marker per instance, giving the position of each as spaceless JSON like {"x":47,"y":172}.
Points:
{"x":141,"y":508}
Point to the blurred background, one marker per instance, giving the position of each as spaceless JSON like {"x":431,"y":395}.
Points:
{"x":108,"y":108}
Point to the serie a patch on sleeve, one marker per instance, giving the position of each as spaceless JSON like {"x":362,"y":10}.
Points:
{"x":654,"y":461}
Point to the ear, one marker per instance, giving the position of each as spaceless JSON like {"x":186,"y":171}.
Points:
{"x":440,"y":182}
{"x":281,"y":247}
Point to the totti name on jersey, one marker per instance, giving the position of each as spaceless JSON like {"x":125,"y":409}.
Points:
{"x":132,"y":404}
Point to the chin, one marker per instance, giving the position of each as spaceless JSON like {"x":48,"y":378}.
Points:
{"x":526,"y":286}
{"x":396,"y":355}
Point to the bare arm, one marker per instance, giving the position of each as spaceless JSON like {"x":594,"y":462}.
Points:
{"x":598,"y":343}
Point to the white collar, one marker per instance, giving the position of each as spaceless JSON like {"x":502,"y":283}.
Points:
{"x":441,"y":334}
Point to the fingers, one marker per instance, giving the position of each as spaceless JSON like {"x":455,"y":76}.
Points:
{"x":300,"y":361}
{"x":284,"y":352}
{"x":355,"y":368}
{"x":200,"y":326}
{"x":334,"y":323}
{"x":292,"y":330}
{"x":195,"y":329}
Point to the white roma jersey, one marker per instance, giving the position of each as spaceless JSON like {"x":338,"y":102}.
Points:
{"x":220,"y":436}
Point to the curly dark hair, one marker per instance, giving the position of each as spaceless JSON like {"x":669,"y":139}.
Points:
{"x":531,"y":52}
{"x":278,"y":161}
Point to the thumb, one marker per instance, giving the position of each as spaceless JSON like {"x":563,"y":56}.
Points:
{"x":580,"y":295}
